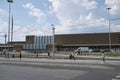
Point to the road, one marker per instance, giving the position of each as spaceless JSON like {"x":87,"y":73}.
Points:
{"x":44,"y":71}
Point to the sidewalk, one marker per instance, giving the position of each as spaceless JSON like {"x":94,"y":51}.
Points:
{"x":83,"y":57}
{"x":61,"y":63}
{"x":47,"y":60}
{"x":64,"y":56}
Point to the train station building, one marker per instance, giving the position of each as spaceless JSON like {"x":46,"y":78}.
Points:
{"x":73,"y":41}
{"x":69,"y":42}
{"x":91,"y":40}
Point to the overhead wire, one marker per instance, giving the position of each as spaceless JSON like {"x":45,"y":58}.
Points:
{"x":71,"y":28}
{"x":115,"y":19}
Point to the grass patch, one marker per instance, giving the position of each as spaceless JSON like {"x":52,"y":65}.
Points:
{"x":92,"y":53}
{"x":112,"y":54}
{"x":106,"y":53}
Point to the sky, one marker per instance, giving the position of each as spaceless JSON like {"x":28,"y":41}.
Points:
{"x":38,"y":17}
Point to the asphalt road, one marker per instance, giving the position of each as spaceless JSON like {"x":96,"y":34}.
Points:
{"x":23,"y":72}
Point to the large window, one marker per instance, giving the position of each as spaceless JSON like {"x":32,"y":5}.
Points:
{"x":119,"y":37}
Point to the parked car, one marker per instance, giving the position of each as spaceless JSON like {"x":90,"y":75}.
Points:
{"x":105,"y":50}
{"x":96,"y":50}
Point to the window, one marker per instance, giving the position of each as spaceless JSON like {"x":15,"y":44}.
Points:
{"x":119,"y":37}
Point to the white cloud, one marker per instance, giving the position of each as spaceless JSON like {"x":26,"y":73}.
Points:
{"x":85,"y":24}
{"x":4,"y":30}
{"x":20,"y":32}
{"x":69,"y":11}
{"x":115,"y":28}
{"x":37,"y":13}
{"x":86,"y":19}
{"x":72,"y":14}
{"x":89,"y":4}
{"x":3,"y":26}
{"x":114,"y":5}
{"x":75,"y":16}
{"x":2,"y":11}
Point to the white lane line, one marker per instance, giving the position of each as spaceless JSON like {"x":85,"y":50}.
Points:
{"x":118,"y":77}
{"x":115,"y":79}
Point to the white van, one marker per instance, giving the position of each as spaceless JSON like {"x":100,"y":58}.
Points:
{"x":82,"y":49}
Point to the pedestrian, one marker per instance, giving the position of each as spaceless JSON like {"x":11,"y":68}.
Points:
{"x":70,"y":56}
{"x":20,"y":55}
{"x":34,"y":52}
{"x":13,"y":55}
{"x":48,"y":54}
{"x":37,"y":55}
{"x":103,"y":57}
{"x":78,"y":52}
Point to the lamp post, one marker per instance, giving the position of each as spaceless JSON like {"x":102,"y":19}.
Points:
{"x":5,"y":44}
{"x":12,"y":32}
{"x":53,"y":29}
{"x":5,"y":40}
{"x":9,"y":1}
{"x":109,"y":28}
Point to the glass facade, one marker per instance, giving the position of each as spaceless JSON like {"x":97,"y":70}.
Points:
{"x":40,"y":43}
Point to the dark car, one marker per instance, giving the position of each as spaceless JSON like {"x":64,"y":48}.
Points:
{"x":105,"y":50}
{"x":96,"y":50}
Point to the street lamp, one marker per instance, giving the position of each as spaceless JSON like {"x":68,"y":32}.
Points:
{"x":109,"y":28}
{"x":5,"y":44}
{"x":53,"y":29}
{"x":9,"y":1}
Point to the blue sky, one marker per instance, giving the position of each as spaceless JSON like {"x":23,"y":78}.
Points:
{"x":34,"y":17}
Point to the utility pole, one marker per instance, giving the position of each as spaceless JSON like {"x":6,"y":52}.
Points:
{"x":5,"y":44}
{"x":9,"y":1}
{"x":109,"y":28}
{"x":12,"y":33}
{"x":53,"y":29}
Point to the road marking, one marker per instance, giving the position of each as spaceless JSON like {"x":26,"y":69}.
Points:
{"x":118,"y":77}
{"x":115,"y":79}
